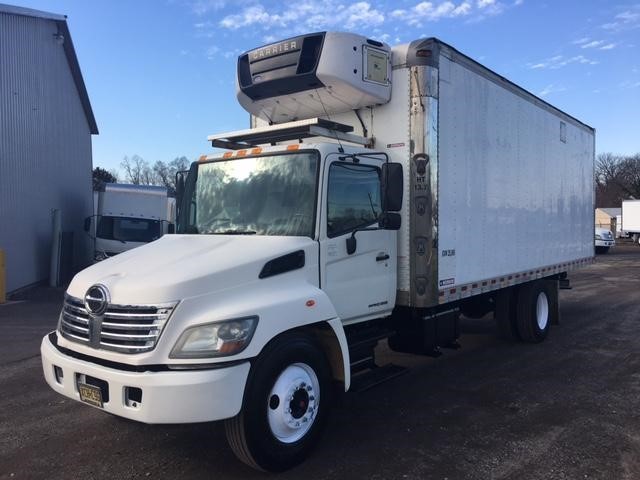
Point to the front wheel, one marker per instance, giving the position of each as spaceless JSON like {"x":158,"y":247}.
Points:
{"x":285,"y":405}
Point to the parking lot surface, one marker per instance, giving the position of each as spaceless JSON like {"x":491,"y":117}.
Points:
{"x":568,"y":408}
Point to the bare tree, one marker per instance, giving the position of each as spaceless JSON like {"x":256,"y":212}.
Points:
{"x":138,"y":172}
{"x":617,"y":178}
{"x":134,"y":169}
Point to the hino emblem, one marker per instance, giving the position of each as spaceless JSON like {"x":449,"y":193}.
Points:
{"x":96,"y":300}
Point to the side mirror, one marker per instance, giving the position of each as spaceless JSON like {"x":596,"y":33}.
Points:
{"x":87,"y":224}
{"x":391,"y":187}
{"x":171,"y":228}
{"x":390,"y":221}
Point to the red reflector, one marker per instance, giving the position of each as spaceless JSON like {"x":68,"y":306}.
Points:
{"x":310,"y":303}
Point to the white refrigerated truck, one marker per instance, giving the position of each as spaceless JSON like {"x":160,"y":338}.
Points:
{"x":631,"y":219}
{"x":381,"y":193}
{"x":128,"y":216}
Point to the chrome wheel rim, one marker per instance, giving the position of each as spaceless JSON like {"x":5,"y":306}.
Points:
{"x":542,"y":310}
{"x":293,"y":402}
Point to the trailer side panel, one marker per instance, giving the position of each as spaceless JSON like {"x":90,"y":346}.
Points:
{"x":515,"y":181}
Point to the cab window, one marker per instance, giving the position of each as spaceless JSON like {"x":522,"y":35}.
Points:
{"x":353,"y":197}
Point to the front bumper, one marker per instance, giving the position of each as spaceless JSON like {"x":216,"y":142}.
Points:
{"x":605,"y":243}
{"x":183,"y":396}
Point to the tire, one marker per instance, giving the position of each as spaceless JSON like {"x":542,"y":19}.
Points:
{"x":272,"y":432}
{"x":537,"y":309}
{"x":505,"y":314}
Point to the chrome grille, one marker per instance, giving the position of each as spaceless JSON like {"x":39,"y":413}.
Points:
{"x":122,"y":328}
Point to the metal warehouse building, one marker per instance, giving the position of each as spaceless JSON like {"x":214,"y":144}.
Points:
{"x":46,"y":123}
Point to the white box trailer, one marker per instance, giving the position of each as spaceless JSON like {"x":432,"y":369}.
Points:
{"x":127,"y":216}
{"x":428,"y":188}
{"x":631,"y":219}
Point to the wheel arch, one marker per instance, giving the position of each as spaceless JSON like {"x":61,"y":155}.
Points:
{"x":331,"y":339}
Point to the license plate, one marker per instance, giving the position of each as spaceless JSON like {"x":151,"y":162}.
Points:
{"x":90,"y":394}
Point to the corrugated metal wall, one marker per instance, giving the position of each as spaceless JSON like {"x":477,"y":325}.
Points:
{"x":45,"y":149}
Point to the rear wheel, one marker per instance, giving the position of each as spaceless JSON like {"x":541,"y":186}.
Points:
{"x":286,"y":402}
{"x":537,"y":310}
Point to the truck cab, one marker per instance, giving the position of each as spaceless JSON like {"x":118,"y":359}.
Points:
{"x":128,"y":216}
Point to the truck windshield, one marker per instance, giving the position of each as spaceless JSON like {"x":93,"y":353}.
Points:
{"x":269,"y":195}
{"x":128,"y":229}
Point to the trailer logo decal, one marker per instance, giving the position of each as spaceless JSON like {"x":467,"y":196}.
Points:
{"x":449,"y":253}
{"x":275,"y":49}
{"x":447,"y":282}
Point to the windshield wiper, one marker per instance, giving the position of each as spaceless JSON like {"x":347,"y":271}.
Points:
{"x":235,"y":232}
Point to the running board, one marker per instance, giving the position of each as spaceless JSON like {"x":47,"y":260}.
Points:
{"x":375,"y":376}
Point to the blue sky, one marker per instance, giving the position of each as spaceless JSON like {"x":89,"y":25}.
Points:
{"x":160,"y":73}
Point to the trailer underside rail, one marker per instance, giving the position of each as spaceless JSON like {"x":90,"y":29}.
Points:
{"x":313,"y":127}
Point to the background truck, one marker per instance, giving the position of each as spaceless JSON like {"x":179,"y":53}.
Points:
{"x":631,"y":219}
{"x":127,"y":216}
{"x":380,"y":194}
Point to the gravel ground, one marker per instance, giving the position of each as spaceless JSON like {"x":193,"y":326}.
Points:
{"x":565,"y":409}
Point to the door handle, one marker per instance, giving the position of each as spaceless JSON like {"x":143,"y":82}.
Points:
{"x":382,"y":256}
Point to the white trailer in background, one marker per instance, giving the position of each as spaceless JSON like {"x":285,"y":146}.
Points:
{"x":381,"y":193}
{"x":631,"y":219}
{"x":128,"y":216}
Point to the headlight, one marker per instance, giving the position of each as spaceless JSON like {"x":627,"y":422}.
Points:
{"x":216,"y":339}
{"x":598,"y":237}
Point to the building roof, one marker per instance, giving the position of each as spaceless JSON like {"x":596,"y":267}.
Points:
{"x":612,"y":212}
{"x":72,"y":59}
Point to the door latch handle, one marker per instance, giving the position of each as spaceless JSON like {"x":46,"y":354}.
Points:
{"x":382,"y":256}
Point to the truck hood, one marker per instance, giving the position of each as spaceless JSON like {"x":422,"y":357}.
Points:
{"x":176,"y":267}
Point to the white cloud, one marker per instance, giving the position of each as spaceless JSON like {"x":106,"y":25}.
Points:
{"x":581,"y":41}
{"x":201,"y":7}
{"x":551,"y":89}
{"x":486,"y":3}
{"x":560,"y":61}
{"x":608,"y":46}
{"x":307,"y":15}
{"x":629,"y":84}
{"x":432,"y":12}
{"x":593,"y":44}
{"x":626,"y":20}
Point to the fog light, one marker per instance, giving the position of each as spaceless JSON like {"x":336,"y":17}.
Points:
{"x":132,"y":396}
{"x":59,"y":374}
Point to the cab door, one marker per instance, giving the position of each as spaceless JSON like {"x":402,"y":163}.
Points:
{"x":361,"y":284}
